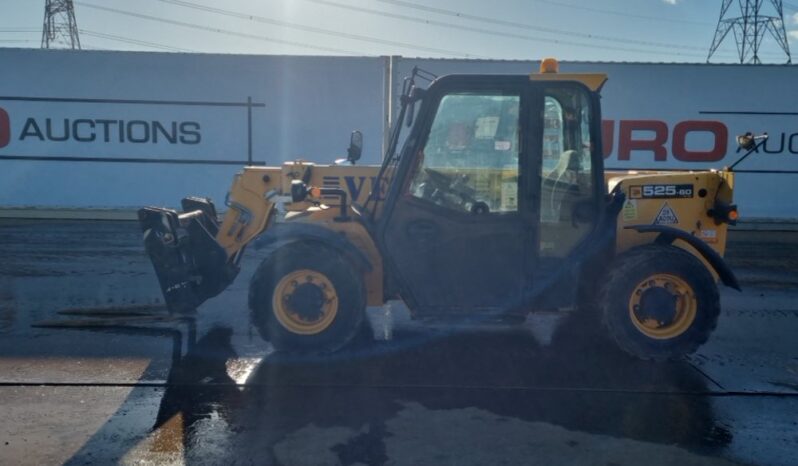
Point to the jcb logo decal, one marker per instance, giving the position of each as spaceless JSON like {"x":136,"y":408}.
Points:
{"x":5,"y":128}
{"x":356,"y":185}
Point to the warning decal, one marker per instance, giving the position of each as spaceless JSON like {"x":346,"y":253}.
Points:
{"x":630,"y":210}
{"x":666,"y":216}
{"x":709,"y":236}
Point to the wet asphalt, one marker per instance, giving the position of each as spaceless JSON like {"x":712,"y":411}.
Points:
{"x":94,"y":371}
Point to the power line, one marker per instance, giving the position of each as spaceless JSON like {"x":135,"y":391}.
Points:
{"x":501,"y":22}
{"x":519,"y":25}
{"x":512,"y":24}
{"x":620,"y":13}
{"x":128,"y":40}
{"x":410,"y":18}
{"x":515,"y":24}
{"x":101,"y":35}
{"x":215,"y":30}
{"x":94,"y":47}
{"x":302,"y":27}
{"x":266,"y":20}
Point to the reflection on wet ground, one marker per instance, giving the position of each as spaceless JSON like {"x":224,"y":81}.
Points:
{"x":132,"y":386}
{"x":587,"y":388}
{"x":578,"y":389}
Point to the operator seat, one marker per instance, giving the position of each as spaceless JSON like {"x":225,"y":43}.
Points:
{"x":560,"y":188}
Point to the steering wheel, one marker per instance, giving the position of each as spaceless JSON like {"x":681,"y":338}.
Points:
{"x":437,"y":178}
{"x":453,"y":191}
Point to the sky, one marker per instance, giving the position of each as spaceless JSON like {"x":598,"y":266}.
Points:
{"x":594,"y":30}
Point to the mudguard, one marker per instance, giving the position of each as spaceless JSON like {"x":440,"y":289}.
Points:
{"x":281,"y":234}
{"x":668,"y":235}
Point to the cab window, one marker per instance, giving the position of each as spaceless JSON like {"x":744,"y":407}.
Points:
{"x":470,"y":160}
{"x":567,"y":195}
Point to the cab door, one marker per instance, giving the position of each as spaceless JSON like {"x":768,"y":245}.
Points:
{"x":459,"y":233}
{"x":568,"y":188}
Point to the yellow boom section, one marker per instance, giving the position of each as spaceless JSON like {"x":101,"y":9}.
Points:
{"x":250,"y":207}
{"x":255,"y":192}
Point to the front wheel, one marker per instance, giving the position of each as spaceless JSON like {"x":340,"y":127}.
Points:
{"x":659,"y":302}
{"x":307,"y":298}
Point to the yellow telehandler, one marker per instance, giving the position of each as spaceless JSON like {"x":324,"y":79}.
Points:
{"x":496,"y":204}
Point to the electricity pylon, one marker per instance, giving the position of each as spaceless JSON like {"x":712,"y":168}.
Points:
{"x":60,"y":29}
{"x":750,"y":21}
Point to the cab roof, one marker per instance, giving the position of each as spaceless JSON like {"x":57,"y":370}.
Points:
{"x":593,"y":81}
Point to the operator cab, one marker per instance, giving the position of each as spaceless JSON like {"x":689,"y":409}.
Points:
{"x":498,"y":184}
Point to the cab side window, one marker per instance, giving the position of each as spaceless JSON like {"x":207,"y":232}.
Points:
{"x":470,"y":160}
{"x":566,"y":174}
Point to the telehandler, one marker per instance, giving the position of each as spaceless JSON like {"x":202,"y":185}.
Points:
{"x":496,"y":204}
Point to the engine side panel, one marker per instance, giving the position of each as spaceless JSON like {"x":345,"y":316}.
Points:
{"x":679,"y":200}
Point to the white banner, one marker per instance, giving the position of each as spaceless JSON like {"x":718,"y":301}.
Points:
{"x":116,"y":129}
{"x":120,"y":129}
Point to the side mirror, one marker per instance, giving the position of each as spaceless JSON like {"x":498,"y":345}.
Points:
{"x":355,"y":147}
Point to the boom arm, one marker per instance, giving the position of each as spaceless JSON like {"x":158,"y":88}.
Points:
{"x":251,"y":205}
{"x":196,"y":257}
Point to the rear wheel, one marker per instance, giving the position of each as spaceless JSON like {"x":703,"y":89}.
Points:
{"x":307,"y":298}
{"x":659,"y":302}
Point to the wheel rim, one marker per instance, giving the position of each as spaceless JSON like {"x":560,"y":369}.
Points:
{"x":305,"y":302}
{"x":662,"y":306}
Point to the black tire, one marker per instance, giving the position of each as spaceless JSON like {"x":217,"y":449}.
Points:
{"x":347,"y":283}
{"x":635,"y":266}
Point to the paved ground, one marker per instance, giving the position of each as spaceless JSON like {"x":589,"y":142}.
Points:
{"x":108,"y":383}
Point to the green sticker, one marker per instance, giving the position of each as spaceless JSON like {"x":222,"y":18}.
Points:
{"x":630,"y":210}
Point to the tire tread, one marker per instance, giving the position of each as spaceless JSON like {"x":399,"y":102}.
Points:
{"x":618,"y":277}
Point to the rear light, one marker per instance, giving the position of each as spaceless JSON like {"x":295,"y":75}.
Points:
{"x":724,"y":213}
